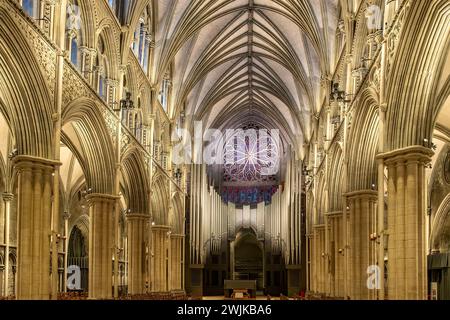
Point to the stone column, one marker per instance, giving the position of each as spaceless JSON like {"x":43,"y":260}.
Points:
{"x":101,"y":245}
{"x":320,"y":258}
{"x":112,"y":86}
{"x":176,"y":243}
{"x":361,"y":225}
{"x":336,"y":255}
{"x":7,"y":198}
{"x":136,"y":252}
{"x":308,"y":262}
{"x":84,"y":63}
{"x":327,"y":257}
{"x":407,"y":269}
{"x":313,"y":263}
{"x":2,"y":221}
{"x":66,"y":248}
{"x":157,"y":150}
{"x":340,"y":254}
{"x":47,"y":11}
{"x":88,"y":56}
{"x":173,"y":264}
{"x":159,"y":261}
{"x":148,"y":40}
{"x":2,"y":277}
{"x":34,"y":209}
{"x":323,"y":261}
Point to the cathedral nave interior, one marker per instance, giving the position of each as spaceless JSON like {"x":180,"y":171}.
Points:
{"x":164,"y":149}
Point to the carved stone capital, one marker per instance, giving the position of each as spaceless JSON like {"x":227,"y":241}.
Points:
{"x":123,"y":68}
{"x":112,"y":83}
{"x":137,"y":216}
{"x":348,"y":58}
{"x":66,"y":215}
{"x":7,"y":197}
{"x":414,"y":153}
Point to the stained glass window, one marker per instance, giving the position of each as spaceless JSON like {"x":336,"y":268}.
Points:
{"x":251,"y":155}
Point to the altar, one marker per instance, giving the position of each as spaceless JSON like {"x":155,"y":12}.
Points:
{"x":240,"y":285}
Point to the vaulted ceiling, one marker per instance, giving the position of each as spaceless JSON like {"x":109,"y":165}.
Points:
{"x":237,"y":61}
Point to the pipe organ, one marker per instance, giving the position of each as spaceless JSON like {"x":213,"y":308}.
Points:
{"x":215,"y":228}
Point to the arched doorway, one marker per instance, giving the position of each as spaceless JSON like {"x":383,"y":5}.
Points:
{"x":248,"y":258}
{"x":78,"y":257}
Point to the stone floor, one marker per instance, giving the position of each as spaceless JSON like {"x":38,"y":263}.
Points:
{"x":223,"y":298}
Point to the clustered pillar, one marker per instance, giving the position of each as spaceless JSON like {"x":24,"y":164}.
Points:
{"x":34,"y":224}
{"x":101,"y":245}
{"x":359,"y":272}
{"x":362,"y":224}
{"x":136,"y":252}
{"x":176,"y":251}
{"x":4,"y":270}
{"x":160,"y":242}
{"x":406,"y":222}
{"x":318,"y":258}
{"x":337,"y":254}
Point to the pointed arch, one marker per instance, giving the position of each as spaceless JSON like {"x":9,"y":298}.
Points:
{"x":135,"y":182}
{"x":86,"y":135}
{"x":177,"y":222}
{"x":26,"y":110}
{"x":364,"y":134}
{"x":88,"y":21}
{"x":336,"y":179}
{"x":159,"y":201}
{"x":107,"y":32}
{"x":321,"y":199}
{"x":438,"y":223}
{"x":417,"y":65}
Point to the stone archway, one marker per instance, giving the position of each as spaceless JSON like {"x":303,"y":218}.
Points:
{"x":78,"y":252}
{"x":249,"y":258}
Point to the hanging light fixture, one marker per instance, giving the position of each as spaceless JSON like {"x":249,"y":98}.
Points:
{"x":178,"y":174}
{"x":126,"y":103}
{"x":336,"y":94}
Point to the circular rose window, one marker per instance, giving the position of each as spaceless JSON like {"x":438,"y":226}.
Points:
{"x":251,"y":155}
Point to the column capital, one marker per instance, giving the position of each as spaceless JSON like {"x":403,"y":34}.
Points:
{"x":85,"y":50}
{"x":160,"y":228}
{"x":319,"y":227}
{"x":123,"y":68}
{"x":334,"y":214}
{"x":24,"y":162}
{"x":349,"y":58}
{"x":98,"y":197}
{"x":112,"y":82}
{"x":325,"y":80}
{"x":137,"y":216}
{"x":350,"y":16}
{"x":7,"y":197}
{"x":92,"y":51}
{"x":413,"y":153}
{"x":99,"y":69}
{"x":362,"y":194}
{"x":66,"y":215}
